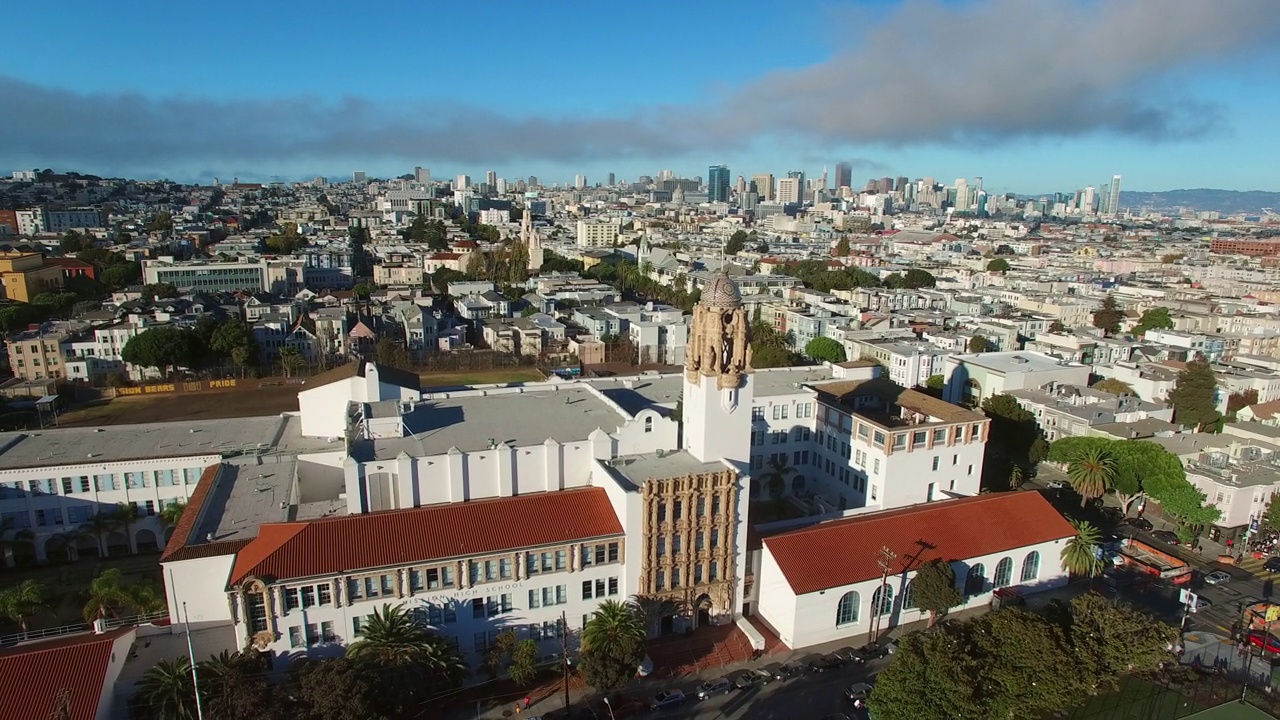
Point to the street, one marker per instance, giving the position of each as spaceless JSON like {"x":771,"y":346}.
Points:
{"x":810,"y":696}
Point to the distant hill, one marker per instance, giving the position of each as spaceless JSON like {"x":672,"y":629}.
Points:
{"x":1228,"y":202}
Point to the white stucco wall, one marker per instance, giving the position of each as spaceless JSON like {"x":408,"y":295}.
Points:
{"x":810,"y":619}
{"x":201,"y":584}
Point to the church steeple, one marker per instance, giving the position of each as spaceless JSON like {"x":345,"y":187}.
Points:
{"x":531,"y":241}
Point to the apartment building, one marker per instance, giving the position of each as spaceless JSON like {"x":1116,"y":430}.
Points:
{"x":597,"y":234}
{"x":282,"y":276}
{"x":39,"y":353}
{"x":1077,"y":411}
{"x":971,"y":378}
{"x":24,"y":273}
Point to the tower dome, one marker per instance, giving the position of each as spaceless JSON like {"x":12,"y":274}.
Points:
{"x":721,"y":292}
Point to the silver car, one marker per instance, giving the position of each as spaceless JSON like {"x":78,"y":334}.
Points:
{"x":1217,"y":577}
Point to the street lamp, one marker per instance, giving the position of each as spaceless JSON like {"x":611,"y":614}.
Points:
{"x":610,"y":706}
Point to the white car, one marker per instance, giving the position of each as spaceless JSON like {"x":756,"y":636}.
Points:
{"x":1056,"y":484}
{"x":1217,"y":577}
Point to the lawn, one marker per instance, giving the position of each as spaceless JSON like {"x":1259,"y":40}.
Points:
{"x":479,"y":377}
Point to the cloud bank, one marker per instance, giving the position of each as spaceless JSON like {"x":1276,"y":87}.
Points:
{"x":924,"y":73}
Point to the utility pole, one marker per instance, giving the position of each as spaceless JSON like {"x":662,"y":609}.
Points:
{"x":564,"y":653}
{"x":885,"y":562}
{"x":191,"y":653}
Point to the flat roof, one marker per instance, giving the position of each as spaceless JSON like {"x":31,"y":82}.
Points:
{"x":565,"y":413}
{"x":638,"y":468}
{"x":114,"y":443}
{"x":1006,"y":362}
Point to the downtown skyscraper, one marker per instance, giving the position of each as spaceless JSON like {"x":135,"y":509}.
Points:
{"x":718,"y":183}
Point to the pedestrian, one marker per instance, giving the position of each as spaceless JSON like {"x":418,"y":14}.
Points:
{"x":1230,"y":543}
{"x":527,"y":702}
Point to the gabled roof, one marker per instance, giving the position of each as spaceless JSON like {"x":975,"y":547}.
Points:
{"x":33,"y":676}
{"x":387,"y":374}
{"x":845,"y":552}
{"x":358,"y":542}
{"x":187,"y":523}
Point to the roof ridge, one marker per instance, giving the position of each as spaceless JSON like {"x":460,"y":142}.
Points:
{"x":895,"y":512}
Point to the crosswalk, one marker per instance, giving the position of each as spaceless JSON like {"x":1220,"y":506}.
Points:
{"x":1253,"y":566}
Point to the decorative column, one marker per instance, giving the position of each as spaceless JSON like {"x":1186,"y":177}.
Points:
{"x":400,"y":583}
{"x":339,"y":586}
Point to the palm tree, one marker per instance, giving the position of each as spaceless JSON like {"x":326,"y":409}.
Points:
{"x":615,"y":630}
{"x":24,"y":600}
{"x":146,"y":599}
{"x":107,"y":596}
{"x":646,"y":268}
{"x":1079,"y":555}
{"x":168,"y":691}
{"x":123,"y":518}
{"x":776,"y":476}
{"x":291,"y":360}
{"x":391,"y":636}
{"x":653,"y":609}
{"x":100,"y":526}
{"x":1017,"y":476}
{"x":1092,"y":473}
{"x":170,"y":514}
{"x":66,"y":541}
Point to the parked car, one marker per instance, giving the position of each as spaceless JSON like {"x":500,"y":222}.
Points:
{"x":1140,"y":522}
{"x":858,"y":691}
{"x":1201,"y":603}
{"x":872,"y":651}
{"x":711,"y":688}
{"x":835,"y":716}
{"x":1167,"y":536}
{"x":848,"y":654}
{"x":1217,"y":577}
{"x":1056,"y":484}
{"x":892,"y":646}
{"x":750,"y":678}
{"x":823,"y":663}
{"x":667,"y":699}
{"x":795,"y":668}
{"x":777,"y":671}
{"x":1272,"y":564}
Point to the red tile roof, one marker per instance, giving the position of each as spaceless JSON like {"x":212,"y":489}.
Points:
{"x":187,"y":523}
{"x":33,"y":676}
{"x":845,"y":552}
{"x":399,"y":537}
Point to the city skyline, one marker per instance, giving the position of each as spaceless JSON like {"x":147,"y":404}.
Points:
{"x":1057,"y":99}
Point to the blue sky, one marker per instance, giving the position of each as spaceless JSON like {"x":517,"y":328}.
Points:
{"x":1033,"y":95}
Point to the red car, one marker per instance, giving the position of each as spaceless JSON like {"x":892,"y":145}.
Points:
{"x":1267,"y":642}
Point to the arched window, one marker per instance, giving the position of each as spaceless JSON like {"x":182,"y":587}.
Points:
{"x":1031,"y":566}
{"x":648,"y":424}
{"x":976,"y":581}
{"x":909,"y":596}
{"x":847,"y":610}
{"x":1004,"y":573}
{"x":882,"y":604}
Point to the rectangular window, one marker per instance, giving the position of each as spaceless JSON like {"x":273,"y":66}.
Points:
{"x":356,"y":623}
{"x":588,"y":554}
{"x":546,"y":562}
{"x":715,"y":538}
{"x":473,"y":572}
{"x":714,"y":573}
{"x":676,"y":544}
{"x":562,"y":594}
{"x":326,"y":632}
{"x":587,"y":585}
{"x":477,"y":608}
{"x":415,"y":580}
{"x":325,"y":594}
{"x":613,"y":586}
{"x":876,"y":467}
{"x":613,"y":552}
{"x":313,"y":633}
{"x":919,"y":438}
{"x":662,"y":512}
{"x":490,"y":570}
{"x":602,"y":555}
{"x":535,"y":599}
{"x":660,"y":582}
{"x":757,"y":413}
{"x":675,"y":578}
{"x":290,"y":599}
{"x":481,"y":641}
{"x":878,"y":439}
{"x":899,"y":441}
{"x":370,"y":587}
{"x":939,"y":436}
{"x":308,"y":597}
{"x":353,"y":590}
{"x":697,"y":574}
{"x":84,"y":483}
{"x":504,"y":603}
{"x":677,"y":510}
{"x":531,"y":564}
{"x":662,"y":547}
{"x":295,"y":636}
{"x":562,"y":560}
{"x":936,"y":461}
{"x":66,"y":486}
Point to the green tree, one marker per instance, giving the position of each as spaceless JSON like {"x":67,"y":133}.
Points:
{"x":1271,"y":516}
{"x":978,"y":344}
{"x":1194,"y":396}
{"x":1026,"y":661}
{"x":934,"y":589}
{"x":170,"y":514}
{"x":290,"y":360}
{"x":842,"y":247}
{"x":825,"y":349}
{"x":407,"y":655}
{"x":999,"y":265}
{"x":917,"y":278}
{"x":934,"y":382}
{"x":524,"y":662}
{"x":107,"y":596}
{"x":118,"y":276}
{"x":931,"y":676}
{"x":233,"y":686}
{"x":1145,"y":468}
{"x":162,"y":222}
{"x":167,"y":690}
{"x":735,"y":243}
{"x":1115,"y":387}
{"x":1017,"y":476}
{"x":160,"y":291}
{"x":500,"y":653}
{"x":1110,"y":639}
{"x":1157,"y":318}
{"x":1079,"y":554}
{"x":20,"y":602}
{"x":612,"y":644}
{"x":56,"y":303}
{"x":1107,"y":317}
{"x":775,"y":476}
{"x":1057,"y":327}
{"x":1239,"y":401}
{"x":334,"y":689}
{"x":1092,"y":473}
{"x":164,"y":348}
{"x":392,"y":353}
{"x":1014,"y":431}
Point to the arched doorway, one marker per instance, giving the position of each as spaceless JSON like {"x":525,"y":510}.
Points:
{"x":87,"y":547}
{"x":146,"y":542}
{"x":117,"y":544}
{"x":702,"y":610}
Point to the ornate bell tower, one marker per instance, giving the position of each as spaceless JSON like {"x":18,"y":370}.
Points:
{"x":717,"y":380}
{"x":532,"y":242}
